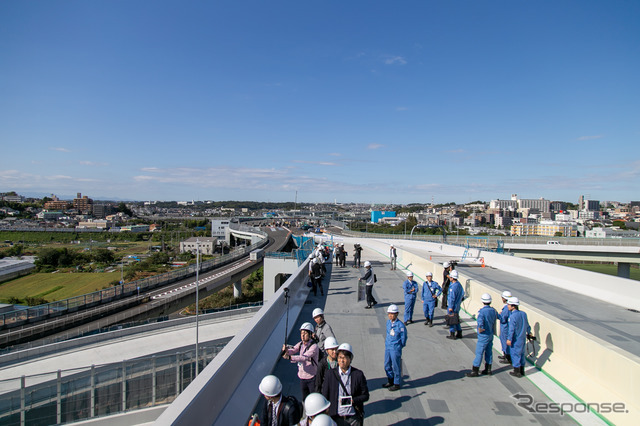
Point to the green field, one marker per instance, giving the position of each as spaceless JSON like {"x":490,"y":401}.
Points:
{"x":58,"y":286}
{"x":603,"y":269}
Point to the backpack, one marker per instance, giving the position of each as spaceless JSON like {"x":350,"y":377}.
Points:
{"x":291,"y":406}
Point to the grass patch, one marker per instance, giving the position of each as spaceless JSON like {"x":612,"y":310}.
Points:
{"x":58,"y":286}
{"x":603,"y":269}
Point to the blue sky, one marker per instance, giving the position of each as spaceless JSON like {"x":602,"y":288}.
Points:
{"x":364,"y":101}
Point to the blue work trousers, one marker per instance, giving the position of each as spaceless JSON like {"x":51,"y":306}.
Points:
{"x":503,"y":339}
{"x":484,"y":346}
{"x":428,"y":308}
{"x":393,"y":365}
{"x":517,"y":353}
{"x":409,"y":303}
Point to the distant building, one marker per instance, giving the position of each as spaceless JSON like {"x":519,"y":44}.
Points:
{"x":19,"y":199}
{"x":545,"y":229}
{"x":134,"y":228}
{"x":95,"y":223}
{"x":101,"y":211}
{"x":56,"y":204}
{"x":83,"y":204}
{"x":611,"y":233}
{"x":49,"y":215}
{"x":207,"y":245}
{"x":219,"y":227}
{"x":592,"y":205}
{"x":376,"y":215}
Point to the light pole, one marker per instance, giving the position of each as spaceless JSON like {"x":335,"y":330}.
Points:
{"x":197,"y":302}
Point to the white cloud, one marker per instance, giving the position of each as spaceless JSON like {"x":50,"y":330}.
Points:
{"x":374,"y":146}
{"x":588,"y":138}
{"x":456,"y":151}
{"x":59,"y":149}
{"x":93,"y":163}
{"x":335,"y":154}
{"x":395,"y":60}
{"x":320,"y":163}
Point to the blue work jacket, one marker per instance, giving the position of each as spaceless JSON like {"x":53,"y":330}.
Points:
{"x":396,"y":335}
{"x":487,"y":317}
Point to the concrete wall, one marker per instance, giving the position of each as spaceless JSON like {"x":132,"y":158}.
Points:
{"x":219,"y":394}
{"x":274,"y":268}
{"x":591,"y":368}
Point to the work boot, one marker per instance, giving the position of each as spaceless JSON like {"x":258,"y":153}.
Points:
{"x":474,"y":372}
{"x":430,"y":323}
{"x":487,"y":369}
{"x":506,"y":360}
{"x":394,"y":388}
{"x":459,"y":334}
{"x":388,"y":384}
{"x":522,"y":370}
{"x":426,"y":321}
{"x":516,"y":372}
{"x":452,"y":336}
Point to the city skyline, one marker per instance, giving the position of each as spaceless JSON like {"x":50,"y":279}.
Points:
{"x":367,"y":101}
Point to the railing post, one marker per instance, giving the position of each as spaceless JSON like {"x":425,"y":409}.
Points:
{"x":22,"y":401}
{"x":178,"y":375}
{"x":124,"y":386}
{"x":153,"y":381}
{"x":59,"y":398}
{"x":92,"y":389}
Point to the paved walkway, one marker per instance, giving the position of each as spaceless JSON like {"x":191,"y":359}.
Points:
{"x":435,"y":388}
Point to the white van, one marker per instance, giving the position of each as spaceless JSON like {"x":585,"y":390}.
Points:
{"x":553,"y":243}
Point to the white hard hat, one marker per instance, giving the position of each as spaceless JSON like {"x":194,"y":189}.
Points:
{"x":367,"y":264}
{"x":486,"y":298}
{"x":270,"y":386}
{"x":323,"y":420}
{"x":453,"y":274}
{"x":506,"y":294}
{"x":330,"y":343}
{"x":446,"y":264}
{"x":429,"y":274}
{"x":392,"y":309}
{"x":314,"y":260}
{"x":307,"y":326}
{"x":316,"y":312}
{"x":315,"y":403}
{"x":513,"y":301}
{"x":391,"y":245}
{"x":409,"y":273}
{"x":346,"y":347}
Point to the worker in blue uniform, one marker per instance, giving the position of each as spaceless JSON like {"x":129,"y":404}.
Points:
{"x":517,"y":334}
{"x":430,"y":292}
{"x":410,"y":288}
{"x":487,"y":317}
{"x":396,"y":340}
{"x":503,"y":316}
{"x":454,"y":302}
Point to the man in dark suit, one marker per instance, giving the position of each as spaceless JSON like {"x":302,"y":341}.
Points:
{"x":346,"y":389}
{"x":278,"y":410}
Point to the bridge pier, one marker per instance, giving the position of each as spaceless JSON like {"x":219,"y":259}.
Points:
{"x":624,"y":270}
{"x":237,"y":289}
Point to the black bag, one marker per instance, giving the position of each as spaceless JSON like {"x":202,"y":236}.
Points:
{"x":375,"y":278}
{"x":452,"y":319}
{"x":291,"y":404}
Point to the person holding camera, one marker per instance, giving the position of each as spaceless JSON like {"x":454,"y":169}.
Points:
{"x":346,"y":388}
{"x":519,"y":332}
{"x":305,"y":354}
{"x":454,"y":301}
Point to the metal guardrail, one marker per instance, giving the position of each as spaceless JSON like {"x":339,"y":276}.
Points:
{"x":493,"y":240}
{"x":71,"y":395}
